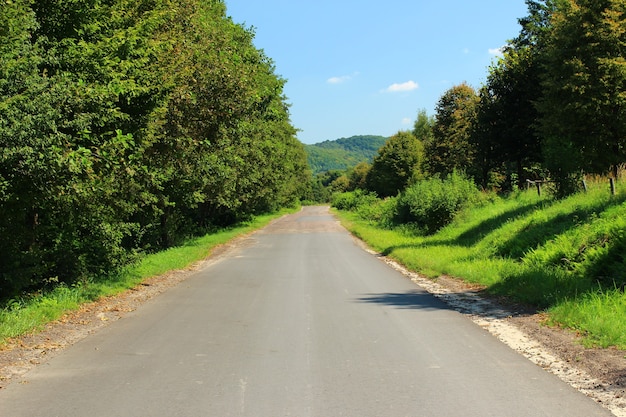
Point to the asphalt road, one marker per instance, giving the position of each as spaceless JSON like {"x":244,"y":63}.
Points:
{"x":299,"y":321}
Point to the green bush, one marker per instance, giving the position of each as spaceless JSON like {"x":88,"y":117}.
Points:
{"x":352,"y":200}
{"x":433,"y":203}
{"x":379,"y":212}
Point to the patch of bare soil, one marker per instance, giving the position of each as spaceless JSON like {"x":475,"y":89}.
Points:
{"x":598,"y":373}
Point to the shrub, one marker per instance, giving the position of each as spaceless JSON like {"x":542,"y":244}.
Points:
{"x":352,"y":200}
{"x":433,"y":203}
{"x":379,"y":212}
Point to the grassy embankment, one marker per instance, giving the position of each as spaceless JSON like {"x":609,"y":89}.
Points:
{"x":30,"y":313}
{"x":567,"y":257}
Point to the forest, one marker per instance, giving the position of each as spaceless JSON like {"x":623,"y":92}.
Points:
{"x":127,"y":126}
{"x":343,"y":153}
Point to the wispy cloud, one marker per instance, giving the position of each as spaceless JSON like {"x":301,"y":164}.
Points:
{"x":341,"y":79}
{"x":496,"y":51}
{"x":402,"y":87}
{"x":338,"y":80}
{"x":407,"y":121}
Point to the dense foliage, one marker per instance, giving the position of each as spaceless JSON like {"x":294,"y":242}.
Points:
{"x":554,"y":105}
{"x":564,"y":256}
{"x":424,"y":207}
{"x":583,"y":107}
{"x":398,"y":163}
{"x":450,"y":149}
{"x":126,"y":125}
{"x":433,"y":203}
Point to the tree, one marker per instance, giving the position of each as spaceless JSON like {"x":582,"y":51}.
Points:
{"x":29,"y":150}
{"x":66,"y":136}
{"x":451,"y":148}
{"x":536,"y":26}
{"x":504,"y":136}
{"x":423,"y":127}
{"x":358,"y":176}
{"x":398,"y":163}
{"x":128,"y":125}
{"x":583,"y":109}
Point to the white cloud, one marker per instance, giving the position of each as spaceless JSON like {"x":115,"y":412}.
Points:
{"x":496,"y":51}
{"x":402,"y":87}
{"x":407,"y":121}
{"x":339,"y":80}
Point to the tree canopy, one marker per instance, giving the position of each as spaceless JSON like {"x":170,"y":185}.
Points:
{"x":504,"y":134}
{"x":127,"y":125}
{"x":583,"y":108}
{"x":398,"y":163}
{"x":343,"y":153}
{"x":450,"y":148}
{"x":552,"y":107}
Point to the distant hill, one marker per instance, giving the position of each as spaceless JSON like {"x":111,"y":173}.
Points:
{"x":343,"y":153}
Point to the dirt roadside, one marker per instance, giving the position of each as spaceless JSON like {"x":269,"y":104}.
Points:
{"x":598,"y":373}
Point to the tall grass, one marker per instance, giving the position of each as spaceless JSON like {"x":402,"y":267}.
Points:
{"x":564,"y":256}
{"x":31,"y":312}
{"x":599,"y":315}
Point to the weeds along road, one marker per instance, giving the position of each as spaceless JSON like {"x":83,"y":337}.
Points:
{"x":298,"y":321}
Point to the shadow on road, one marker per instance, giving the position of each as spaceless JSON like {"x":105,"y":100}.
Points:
{"x":406,"y":300}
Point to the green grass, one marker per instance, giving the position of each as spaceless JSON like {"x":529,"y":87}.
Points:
{"x":599,"y":315}
{"x":566,"y":257}
{"x":32,"y":312}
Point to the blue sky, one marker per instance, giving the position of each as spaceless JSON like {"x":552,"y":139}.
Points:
{"x":366,"y":68}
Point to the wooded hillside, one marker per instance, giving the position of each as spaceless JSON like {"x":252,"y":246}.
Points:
{"x":127,"y":125}
{"x":343,"y":153}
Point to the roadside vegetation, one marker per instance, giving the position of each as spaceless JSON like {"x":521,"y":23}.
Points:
{"x":30,"y":312}
{"x":134,"y":135}
{"x":450,"y":196}
{"x":564,"y":256}
{"x":127,"y":127}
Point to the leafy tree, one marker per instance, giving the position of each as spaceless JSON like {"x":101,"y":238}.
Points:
{"x":126,"y":125}
{"x":70,"y":165}
{"x":505,"y":137}
{"x":423,"y":127}
{"x":358,"y":176}
{"x":583,"y":110}
{"x":340,"y":185}
{"x":27,"y":109}
{"x":536,"y":26}
{"x":398,"y":163}
{"x":451,"y":148}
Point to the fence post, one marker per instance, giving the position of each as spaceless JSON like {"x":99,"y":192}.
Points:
{"x":612,"y":182}
{"x":538,"y":183}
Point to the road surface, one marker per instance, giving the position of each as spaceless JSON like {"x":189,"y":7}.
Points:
{"x":298,"y":321}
